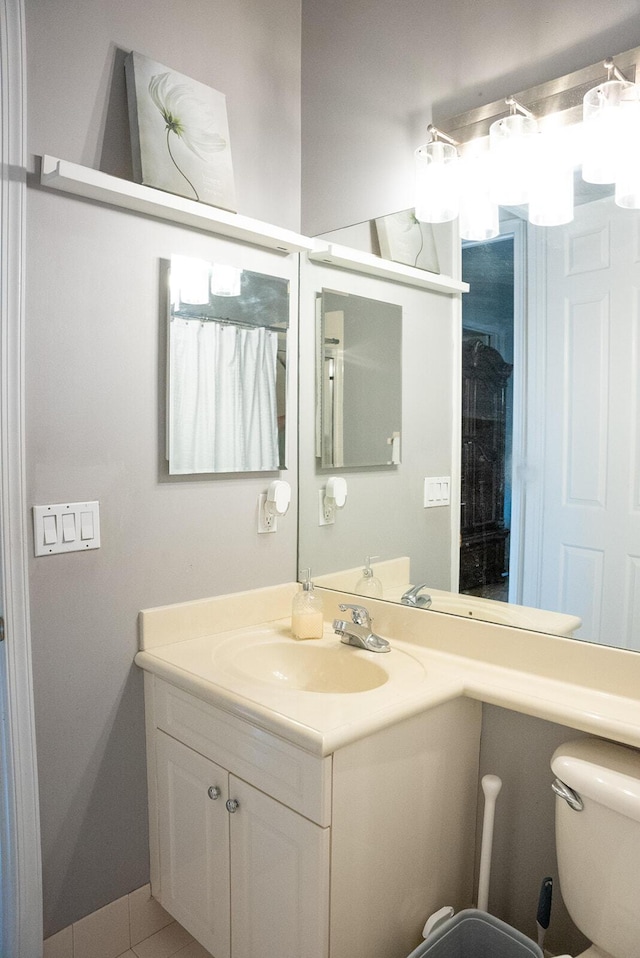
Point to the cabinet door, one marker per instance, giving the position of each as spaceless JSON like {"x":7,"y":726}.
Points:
{"x":194,"y":843}
{"x":279,"y":879}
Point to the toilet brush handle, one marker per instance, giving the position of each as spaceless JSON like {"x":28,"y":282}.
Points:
{"x":491,"y":786}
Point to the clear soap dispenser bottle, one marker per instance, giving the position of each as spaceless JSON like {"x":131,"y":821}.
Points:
{"x":307,"y":620}
{"x":369,"y":584}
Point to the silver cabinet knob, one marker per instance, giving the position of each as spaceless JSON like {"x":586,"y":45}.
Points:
{"x":213,"y":792}
{"x":232,"y":805}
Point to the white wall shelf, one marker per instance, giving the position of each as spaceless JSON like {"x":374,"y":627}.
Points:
{"x":345,"y":257}
{"x":103,"y":188}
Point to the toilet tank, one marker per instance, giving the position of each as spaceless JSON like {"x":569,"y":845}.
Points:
{"x":599,"y":847}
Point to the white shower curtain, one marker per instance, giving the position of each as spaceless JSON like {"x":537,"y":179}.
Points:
{"x":222,"y":398}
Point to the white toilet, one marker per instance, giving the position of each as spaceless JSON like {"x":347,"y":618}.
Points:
{"x":599,"y":846}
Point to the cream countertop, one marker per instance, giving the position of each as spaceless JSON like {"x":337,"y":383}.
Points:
{"x":588,"y":687}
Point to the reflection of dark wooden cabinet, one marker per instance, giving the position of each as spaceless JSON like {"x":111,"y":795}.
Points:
{"x":483,"y":543}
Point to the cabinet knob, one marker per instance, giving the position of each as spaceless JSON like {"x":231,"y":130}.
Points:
{"x":213,"y":792}
{"x":232,"y":805}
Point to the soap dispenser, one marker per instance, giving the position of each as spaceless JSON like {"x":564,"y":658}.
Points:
{"x":369,"y":584}
{"x":307,"y":620}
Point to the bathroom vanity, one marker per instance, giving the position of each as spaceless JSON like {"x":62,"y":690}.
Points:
{"x":265,"y":849}
{"x":311,"y":800}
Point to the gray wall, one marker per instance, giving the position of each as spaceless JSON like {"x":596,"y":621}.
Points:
{"x":518,"y":749}
{"x":95,"y":406}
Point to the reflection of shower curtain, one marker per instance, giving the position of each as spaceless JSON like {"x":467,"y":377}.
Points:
{"x":222,"y":406}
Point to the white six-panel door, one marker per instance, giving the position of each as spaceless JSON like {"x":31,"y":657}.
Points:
{"x":589,"y":561}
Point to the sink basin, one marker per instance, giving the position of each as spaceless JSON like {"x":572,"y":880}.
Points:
{"x":309,"y":668}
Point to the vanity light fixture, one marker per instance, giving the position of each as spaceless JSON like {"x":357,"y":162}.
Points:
{"x":611,"y":114}
{"x":511,"y":141}
{"x":332,"y":498}
{"x":479,"y":217}
{"x":273,"y":504}
{"x":520,"y":159}
{"x":437,"y":186}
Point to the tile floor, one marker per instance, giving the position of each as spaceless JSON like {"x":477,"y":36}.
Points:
{"x":172,"y":941}
{"x":134,"y":926}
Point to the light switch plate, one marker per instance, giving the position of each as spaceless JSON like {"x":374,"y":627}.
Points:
{"x":437,"y":491}
{"x":66,"y":527}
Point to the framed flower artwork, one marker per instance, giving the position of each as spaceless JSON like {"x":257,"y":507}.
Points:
{"x":404,"y":239}
{"x":179,"y":133}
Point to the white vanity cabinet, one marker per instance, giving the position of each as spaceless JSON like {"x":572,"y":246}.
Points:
{"x":249,"y":878}
{"x":193,"y":834}
{"x":341,"y":856}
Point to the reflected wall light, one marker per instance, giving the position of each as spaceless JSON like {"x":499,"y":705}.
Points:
{"x":225,"y":280}
{"x":189,"y":281}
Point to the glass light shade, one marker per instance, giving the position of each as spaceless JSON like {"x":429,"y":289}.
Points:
{"x":225,"y":280}
{"x":627,"y":192}
{"x":610,"y":112}
{"x":189,"y":281}
{"x":551,"y":191}
{"x":511,"y":142}
{"x":479,"y":217}
{"x":437,"y":187}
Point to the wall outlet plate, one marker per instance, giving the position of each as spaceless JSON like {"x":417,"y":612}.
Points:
{"x":265,"y":523}
{"x":326,"y":517}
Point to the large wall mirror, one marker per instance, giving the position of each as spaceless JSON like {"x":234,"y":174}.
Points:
{"x":227,"y":364}
{"x":567,"y":357}
{"x":358,"y":381}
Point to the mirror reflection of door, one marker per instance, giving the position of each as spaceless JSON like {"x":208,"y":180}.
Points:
{"x":487,"y":417}
{"x":359,"y":380}
{"x":333,"y":388}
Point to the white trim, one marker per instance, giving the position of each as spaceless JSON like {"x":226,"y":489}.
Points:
{"x":456,"y":423}
{"x":20,"y":837}
{"x":531,"y":555}
{"x":517,"y":228}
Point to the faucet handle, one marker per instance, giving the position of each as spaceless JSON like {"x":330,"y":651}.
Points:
{"x":359,"y":615}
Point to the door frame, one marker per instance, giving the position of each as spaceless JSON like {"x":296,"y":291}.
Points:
{"x":21,"y":877}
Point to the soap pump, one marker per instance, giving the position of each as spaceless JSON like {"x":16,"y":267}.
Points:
{"x":369,"y":584}
{"x":307,"y":620}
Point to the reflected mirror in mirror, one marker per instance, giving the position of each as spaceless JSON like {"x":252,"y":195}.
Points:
{"x":359,"y":381}
{"x":227,"y":364}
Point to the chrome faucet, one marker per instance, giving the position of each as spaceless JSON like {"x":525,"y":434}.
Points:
{"x":358,"y":631}
{"x":413,"y":597}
